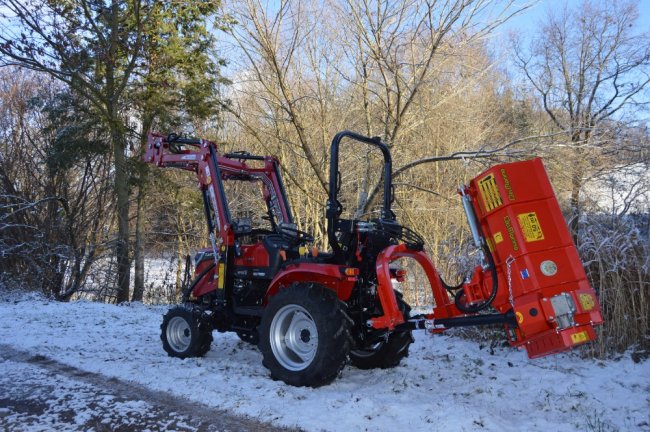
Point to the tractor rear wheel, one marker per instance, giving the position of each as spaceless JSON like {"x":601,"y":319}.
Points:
{"x":385,"y":353}
{"x":304,"y":335}
{"x":183,"y":334}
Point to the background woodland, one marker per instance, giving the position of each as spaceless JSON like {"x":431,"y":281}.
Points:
{"x":441,"y":82}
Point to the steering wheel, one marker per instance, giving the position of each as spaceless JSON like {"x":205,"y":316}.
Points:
{"x":291,"y":234}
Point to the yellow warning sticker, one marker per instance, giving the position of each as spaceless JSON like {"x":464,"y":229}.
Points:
{"x":498,"y":237}
{"x":490,"y":244}
{"x":222,"y":275}
{"x":586,"y":301}
{"x":490,"y":193}
{"x":579,"y":337}
{"x":530,"y":227}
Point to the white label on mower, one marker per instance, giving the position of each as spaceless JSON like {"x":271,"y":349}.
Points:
{"x":548,"y":268}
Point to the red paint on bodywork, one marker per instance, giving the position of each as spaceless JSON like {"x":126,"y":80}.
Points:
{"x":535,"y":259}
{"x":253,"y":255}
{"x":392,"y":316}
{"x":329,"y":275}
{"x":531,"y":244}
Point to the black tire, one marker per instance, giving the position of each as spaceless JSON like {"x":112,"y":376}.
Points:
{"x":389,"y":353}
{"x":287,"y":330}
{"x":183,"y":334}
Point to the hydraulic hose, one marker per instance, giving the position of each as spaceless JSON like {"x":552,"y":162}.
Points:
{"x":186,"y":275}
{"x":451,"y":289}
{"x":495,"y":286}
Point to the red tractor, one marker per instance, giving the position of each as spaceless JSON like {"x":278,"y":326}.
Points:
{"x":310,"y":312}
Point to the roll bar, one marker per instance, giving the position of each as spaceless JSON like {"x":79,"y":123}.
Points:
{"x":333,"y":209}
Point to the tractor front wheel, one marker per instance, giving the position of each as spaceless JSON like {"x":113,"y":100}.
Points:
{"x":304,"y":335}
{"x":183,"y":334}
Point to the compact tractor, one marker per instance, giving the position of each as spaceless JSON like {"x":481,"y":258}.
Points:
{"x":310,"y":312}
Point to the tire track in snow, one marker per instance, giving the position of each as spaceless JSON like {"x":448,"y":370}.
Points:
{"x":56,"y":394}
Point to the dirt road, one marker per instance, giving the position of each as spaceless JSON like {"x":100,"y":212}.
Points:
{"x":40,"y":394}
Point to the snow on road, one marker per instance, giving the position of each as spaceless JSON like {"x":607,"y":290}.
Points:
{"x":32,"y":399}
{"x":41,"y":394}
{"x":446,"y":384}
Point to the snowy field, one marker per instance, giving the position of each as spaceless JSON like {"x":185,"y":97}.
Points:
{"x":446,"y":384}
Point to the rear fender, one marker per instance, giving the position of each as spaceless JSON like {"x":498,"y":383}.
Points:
{"x":329,"y":275}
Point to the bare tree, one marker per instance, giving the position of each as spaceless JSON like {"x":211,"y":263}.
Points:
{"x":403,"y":42}
{"x":270,"y":38}
{"x":589,"y":66}
{"x":54,"y":199}
{"x":93,"y":47}
{"x":308,"y":70}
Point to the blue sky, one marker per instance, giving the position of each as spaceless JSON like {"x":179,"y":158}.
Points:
{"x":529,"y":19}
{"x":528,"y":22}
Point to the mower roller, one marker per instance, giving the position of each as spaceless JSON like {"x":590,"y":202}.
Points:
{"x":310,"y":312}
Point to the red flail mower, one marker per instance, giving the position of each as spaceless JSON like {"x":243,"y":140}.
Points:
{"x":310,"y":312}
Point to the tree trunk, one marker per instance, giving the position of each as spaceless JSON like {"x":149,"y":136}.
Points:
{"x":576,"y":185}
{"x":577,"y":173}
{"x":138,"y":250}
{"x":122,"y":194}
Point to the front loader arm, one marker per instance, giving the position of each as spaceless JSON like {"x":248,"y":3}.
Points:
{"x":200,"y":157}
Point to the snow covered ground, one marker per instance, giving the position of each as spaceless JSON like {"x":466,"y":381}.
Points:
{"x":34,"y":399}
{"x":446,"y":384}
{"x":41,"y":394}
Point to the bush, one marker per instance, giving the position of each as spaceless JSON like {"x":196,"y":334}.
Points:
{"x":616,"y":254}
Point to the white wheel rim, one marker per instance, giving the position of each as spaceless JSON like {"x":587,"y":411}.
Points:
{"x":294,"y":337}
{"x":179,"y":334}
